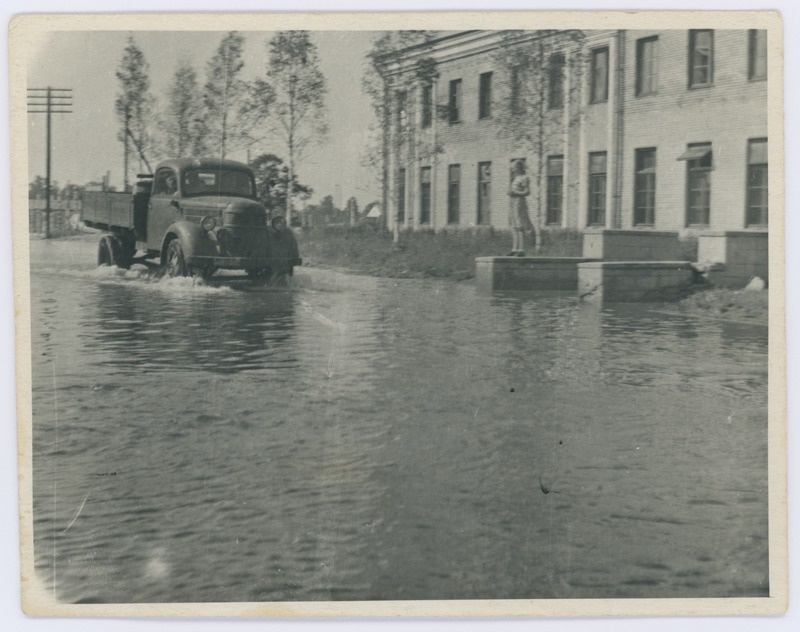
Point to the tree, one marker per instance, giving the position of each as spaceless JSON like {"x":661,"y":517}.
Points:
{"x":272,"y":178}
{"x":529,"y":70}
{"x":291,"y":104}
{"x":386,"y":139}
{"x":182,"y":124}
{"x":223,"y":91}
{"x":134,"y":104}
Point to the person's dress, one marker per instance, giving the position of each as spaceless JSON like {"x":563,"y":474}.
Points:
{"x":520,"y":220}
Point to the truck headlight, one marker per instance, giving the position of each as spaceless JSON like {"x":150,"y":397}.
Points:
{"x":208,"y":223}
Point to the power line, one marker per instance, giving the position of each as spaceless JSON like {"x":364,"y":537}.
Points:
{"x":48,"y":101}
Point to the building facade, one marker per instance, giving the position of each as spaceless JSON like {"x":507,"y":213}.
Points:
{"x":621,"y":129}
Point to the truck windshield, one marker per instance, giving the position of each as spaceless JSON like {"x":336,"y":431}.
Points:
{"x":217,"y":182}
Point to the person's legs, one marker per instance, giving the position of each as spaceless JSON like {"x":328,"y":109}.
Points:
{"x":520,"y":243}
{"x":514,"y":240}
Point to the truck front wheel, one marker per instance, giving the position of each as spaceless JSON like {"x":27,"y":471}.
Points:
{"x":176,"y":263}
{"x":108,"y":252}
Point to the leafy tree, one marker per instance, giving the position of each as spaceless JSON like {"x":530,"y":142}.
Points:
{"x":182,"y":125}
{"x":272,"y":178}
{"x":385,"y":139}
{"x":37,"y":189}
{"x":223,"y":92}
{"x":528,"y":68}
{"x":134,"y":104}
{"x":291,"y":103}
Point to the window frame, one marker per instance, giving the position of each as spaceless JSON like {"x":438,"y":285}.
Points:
{"x":555,"y":190}
{"x":692,"y":65}
{"x":595,"y":178}
{"x":483,"y":214}
{"x":694,"y":168}
{"x":646,"y":83}
{"x":754,"y":36}
{"x":644,"y":176}
{"x":555,"y":81}
{"x":596,"y":96}
{"x":515,"y":90}
{"x":425,"y":195}
{"x":454,"y":194}
{"x":455,"y":101}
{"x":401,"y":113}
{"x":401,"y":194}
{"x":749,"y":189}
{"x":485,"y":95}
{"x":427,"y":105}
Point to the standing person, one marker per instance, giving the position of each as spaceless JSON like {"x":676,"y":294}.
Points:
{"x":520,"y":221}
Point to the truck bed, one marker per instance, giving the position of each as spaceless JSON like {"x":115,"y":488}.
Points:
{"x":107,"y":210}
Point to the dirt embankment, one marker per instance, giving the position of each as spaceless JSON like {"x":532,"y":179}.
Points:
{"x":747,"y":306}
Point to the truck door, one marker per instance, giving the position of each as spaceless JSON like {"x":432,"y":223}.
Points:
{"x":162,"y":212}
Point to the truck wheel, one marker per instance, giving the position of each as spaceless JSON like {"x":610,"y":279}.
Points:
{"x":259,"y":275}
{"x":108,"y":252}
{"x":176,"y":264}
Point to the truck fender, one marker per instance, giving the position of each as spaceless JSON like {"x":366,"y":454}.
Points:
{"x":194,"y":240}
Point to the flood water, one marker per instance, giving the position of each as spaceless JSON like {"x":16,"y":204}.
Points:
{"x":358,"y":438}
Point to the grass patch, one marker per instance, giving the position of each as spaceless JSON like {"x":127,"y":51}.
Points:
{"x":446,"y":253}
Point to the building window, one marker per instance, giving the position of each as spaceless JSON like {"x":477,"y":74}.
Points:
{"x":425,"y":195}
{"x":599,"y":75}
{"x":455,"y":101}
{"x":757,"y":183}
{"x":757,"y":55}
{"x":555,"y":189}
{"x":485,"y":96}
{"x":515,"y":103}
{"x":402,"y":111}
{"x":597,"y":188}
{"x":401,"y":196}
{"x":646,"y":66}
{"x":701,"y":58}
{"x":453,"y":194}
{"x":644,"y":193}
{"x":698,"y":159}
{"x":555,"y":73}
{"x":484,"y":191}
{"x":427,"y":105}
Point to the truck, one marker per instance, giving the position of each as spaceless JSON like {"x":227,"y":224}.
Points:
{"x":192,"y":217}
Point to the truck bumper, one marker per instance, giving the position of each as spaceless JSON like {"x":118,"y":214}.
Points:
{"x":240,"y":263}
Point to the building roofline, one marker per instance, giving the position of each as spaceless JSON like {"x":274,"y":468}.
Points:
{"x":431,"y":42}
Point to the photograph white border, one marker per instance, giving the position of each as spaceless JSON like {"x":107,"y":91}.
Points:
{"x":24,"y":33}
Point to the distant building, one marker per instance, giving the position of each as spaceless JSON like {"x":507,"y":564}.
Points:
{"x":622,"y":129}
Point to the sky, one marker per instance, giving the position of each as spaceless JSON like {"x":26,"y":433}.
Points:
{"x":85,"y":144}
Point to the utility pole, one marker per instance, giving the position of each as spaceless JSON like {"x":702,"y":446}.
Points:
{"x":49,"y":101}
{"x":127,"y":131}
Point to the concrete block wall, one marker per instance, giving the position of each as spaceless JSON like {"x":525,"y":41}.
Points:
{"x":631,"y":282}
{"x":742,"y":255}
{"x":631,"y":245}
{"x":527,"y":273}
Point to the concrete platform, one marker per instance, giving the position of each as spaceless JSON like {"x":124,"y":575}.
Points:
{"x":632,"y":281}
{"x":528,"y":273}
{"x":631,"y":245}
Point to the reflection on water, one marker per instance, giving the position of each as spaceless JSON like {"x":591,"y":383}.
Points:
{"x":362,"y":438}
{"x":158,"y":331}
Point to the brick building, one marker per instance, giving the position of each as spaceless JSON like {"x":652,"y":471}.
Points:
{"x":621,"y":129}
